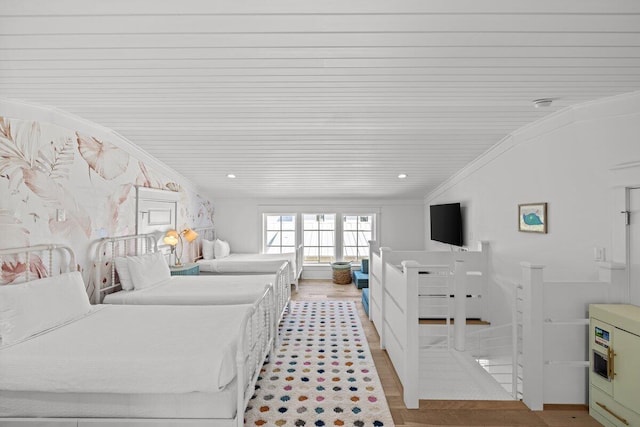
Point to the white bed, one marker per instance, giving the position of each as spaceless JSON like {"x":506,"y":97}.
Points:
{"x":247,"y":263}
{"x":196,"y":290}
{"x":185,"y":290}
{"x":239,"y":263}
{"x":117,"y":364}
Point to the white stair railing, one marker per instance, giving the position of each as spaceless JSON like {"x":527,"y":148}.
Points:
{"x":434,"y":294}
{"x":532,"y":331}
{"x":460,"y":304}
{"x":516,"y":352}
{"x":395,"y":302}
{"x":438,"y":286}
{"x":556,"y":312}
{"x":498,"y":348}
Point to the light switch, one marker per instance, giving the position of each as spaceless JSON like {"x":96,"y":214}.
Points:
{"x":61,"y":215}
{"x":598,"y":254}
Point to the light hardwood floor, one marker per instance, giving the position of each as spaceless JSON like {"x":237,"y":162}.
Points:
{"x":441,"y":412}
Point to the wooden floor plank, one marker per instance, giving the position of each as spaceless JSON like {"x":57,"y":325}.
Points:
{"x":436,"y":413}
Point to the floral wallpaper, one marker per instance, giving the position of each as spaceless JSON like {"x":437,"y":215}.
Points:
{"x":58,"y":185}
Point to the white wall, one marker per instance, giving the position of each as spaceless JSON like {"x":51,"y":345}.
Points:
{"x":567,"y":160}
{"x":401,"y":222}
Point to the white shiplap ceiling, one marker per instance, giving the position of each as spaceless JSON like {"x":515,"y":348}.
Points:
{"x":304,"y":98}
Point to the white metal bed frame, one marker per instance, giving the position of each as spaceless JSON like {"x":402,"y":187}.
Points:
{"x":282,"y":293}
{"x":69,"y":265}
{"x":252,"y":350}
{"x":210,"y":234}
{"x":109,"y":248}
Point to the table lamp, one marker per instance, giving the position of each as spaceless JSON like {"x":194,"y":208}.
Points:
{"x":174,"y":239}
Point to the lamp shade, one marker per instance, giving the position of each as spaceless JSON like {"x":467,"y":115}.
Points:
{"x":189,"y":234}
{"x":171,"y":237}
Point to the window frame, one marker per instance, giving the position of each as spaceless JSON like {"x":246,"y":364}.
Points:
{"x":335,"y":237}
{"x":298,"y":211}
{"x":266,"y":230}
{"x":371,"y":215}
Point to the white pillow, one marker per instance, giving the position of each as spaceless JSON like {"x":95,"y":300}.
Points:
{"x":207,"y":249}
{"x":123,"y":273}
{"x":147,"y":270}
{"x":221,"y":248}
{"x":33,"y":307}
{"x":218,"y":248}
{"x":227,"y":248}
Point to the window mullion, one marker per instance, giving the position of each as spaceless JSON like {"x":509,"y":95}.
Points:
{"x":338,"y":236}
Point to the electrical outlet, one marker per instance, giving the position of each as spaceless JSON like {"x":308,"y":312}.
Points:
{"x":61,"y":215}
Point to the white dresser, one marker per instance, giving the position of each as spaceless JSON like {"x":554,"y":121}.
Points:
{"x":614,"y":364}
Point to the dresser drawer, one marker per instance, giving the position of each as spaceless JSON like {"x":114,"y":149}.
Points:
{"x":610,"y":410}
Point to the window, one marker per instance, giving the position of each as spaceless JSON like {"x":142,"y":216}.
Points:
{"x":356,"y":233}
{"x":279,"y":233}
{"x":319,"y":238}
{"x":341,"y":235}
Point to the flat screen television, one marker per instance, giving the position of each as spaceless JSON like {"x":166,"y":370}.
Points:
{"x":446,"y":223}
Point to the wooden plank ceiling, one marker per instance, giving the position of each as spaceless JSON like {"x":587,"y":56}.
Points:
{"x":304,"y":98}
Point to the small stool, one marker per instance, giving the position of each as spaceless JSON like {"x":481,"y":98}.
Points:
{"x":365,"y":300}
{"x":360,"y":279}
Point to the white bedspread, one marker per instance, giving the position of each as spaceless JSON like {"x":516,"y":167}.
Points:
{"x":129,"y":349}
{"x":197,"y":290}
{"x":249,"y":263}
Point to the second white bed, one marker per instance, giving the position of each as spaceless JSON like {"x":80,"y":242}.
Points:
{"x":196,"y":290}
{"x":187,"y":290}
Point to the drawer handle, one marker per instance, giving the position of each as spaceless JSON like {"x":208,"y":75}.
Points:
{"x":611,"y":370}
{"x":622,"y":420}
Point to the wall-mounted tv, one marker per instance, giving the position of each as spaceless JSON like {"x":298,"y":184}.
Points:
{"x":446,"y":223}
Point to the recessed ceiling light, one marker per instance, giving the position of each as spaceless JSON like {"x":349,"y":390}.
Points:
{"x":230,"y":175}
{"x":402,"y":175}
{"x":542,"y":102}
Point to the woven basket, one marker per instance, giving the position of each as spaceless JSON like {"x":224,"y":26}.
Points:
{"x":341,"y":273}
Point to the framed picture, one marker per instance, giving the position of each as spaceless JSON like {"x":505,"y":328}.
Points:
{"x":532,"y":217}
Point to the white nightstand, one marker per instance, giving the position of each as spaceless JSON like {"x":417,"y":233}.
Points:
{"x":189,"y":269}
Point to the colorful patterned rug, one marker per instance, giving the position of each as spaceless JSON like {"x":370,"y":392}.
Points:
{"x":322,"y":374}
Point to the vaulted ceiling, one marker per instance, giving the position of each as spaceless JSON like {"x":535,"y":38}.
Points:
{"x":302,"y":98}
